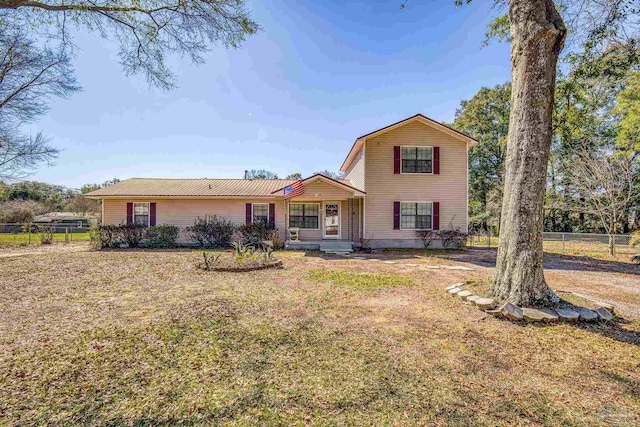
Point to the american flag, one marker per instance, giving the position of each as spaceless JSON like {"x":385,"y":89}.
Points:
{"x":294,"y":190}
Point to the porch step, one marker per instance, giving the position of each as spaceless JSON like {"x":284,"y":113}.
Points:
{"x":336,"y":247}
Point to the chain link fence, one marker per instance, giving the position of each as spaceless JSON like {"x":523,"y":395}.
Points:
{"x":570,"y":243}
{"x":28,"y":234}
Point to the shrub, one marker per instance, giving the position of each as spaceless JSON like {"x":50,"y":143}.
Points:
{"x":212,"y":233}
{"x":46,"y":234}
{"x":133,"y":234}
{"x":276,"y":241}
{"x":255,"y":233}
{"x":210,"y":259}
{"x":453,"y":238}
{"x":106,"y":236}
{"x":365,"y":243}
{"x":243,"y":253}
{"x":162,"y":236}
{"x":427,"y":236}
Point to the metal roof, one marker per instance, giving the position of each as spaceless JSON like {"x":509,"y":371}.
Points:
{"x":203,"y":187}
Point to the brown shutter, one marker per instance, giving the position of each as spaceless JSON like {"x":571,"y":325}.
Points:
{"x":396,"y":159}
{"x":436,"y":160}
{"x":396,"y":215}
{"x":436,"y":215}
{"x":272,"y":215}
{"x":152,"y":214}
{"x":248,"y":218}
{"x":129,"y":213}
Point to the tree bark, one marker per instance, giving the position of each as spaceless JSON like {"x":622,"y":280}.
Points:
{"x":538,"y":35}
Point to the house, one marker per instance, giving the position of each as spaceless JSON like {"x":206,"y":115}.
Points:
{"x":66,"y":219}
{"x":407,"y":176}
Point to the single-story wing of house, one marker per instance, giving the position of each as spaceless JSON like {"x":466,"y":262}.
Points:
{"x":408,"y":176}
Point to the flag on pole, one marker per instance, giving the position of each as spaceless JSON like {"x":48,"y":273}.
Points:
{"x":294,"y":190}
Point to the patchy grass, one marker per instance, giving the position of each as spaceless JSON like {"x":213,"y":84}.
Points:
{"x":360,"y":281}
{"x":34,"y":238}
{"x":145,"y":338}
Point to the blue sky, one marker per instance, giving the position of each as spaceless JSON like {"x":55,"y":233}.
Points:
{"x":292,"y":99}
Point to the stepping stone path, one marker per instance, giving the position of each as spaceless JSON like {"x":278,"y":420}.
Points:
{"x":485,"y":303}
{"x":515,"y":313}
{"x":539,"y":315}
{"x":602,"y":313}
{"x":586,"y":315}
{"x":512,"y":312}
{"x":464,"y":295}
{"x":457,"y":285}
{"x":472,"y":299}
{"x":496,"y":312}
{"x":569,"y":315}
{"x":606,"y":305}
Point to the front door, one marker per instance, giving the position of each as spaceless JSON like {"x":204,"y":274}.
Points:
{"x":331,"y":214}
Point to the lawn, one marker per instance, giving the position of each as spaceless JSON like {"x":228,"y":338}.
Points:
{"x":145,"y":338}
{"x":34,"y":238}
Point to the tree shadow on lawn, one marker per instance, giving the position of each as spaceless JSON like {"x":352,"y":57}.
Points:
{"x":487,"y":258}
{"x":153,"y":250}
{"x":552,"y":261}
{"x":613,"y":329}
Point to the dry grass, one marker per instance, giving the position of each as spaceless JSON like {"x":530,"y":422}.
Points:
{"x":145,"y":338}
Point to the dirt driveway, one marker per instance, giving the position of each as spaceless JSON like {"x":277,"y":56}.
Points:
{"x":614,"y":282}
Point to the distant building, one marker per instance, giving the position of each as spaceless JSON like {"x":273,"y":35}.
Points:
{"x":68,"y":219}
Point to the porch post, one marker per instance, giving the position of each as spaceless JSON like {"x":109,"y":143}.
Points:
{"x":351,"y":213}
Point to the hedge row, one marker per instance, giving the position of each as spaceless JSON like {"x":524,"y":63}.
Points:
{"x":210,"y":233}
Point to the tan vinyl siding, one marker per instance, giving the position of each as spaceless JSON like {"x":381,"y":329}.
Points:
{"x":321,"y":190}
{"x":183,"y":212}
{"x":355,"y":173}
{"x":384,"y":187}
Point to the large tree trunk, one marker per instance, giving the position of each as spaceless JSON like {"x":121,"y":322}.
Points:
{"x":538,"y":35}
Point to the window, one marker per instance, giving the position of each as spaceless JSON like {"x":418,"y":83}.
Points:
{"x":141,"y":213}
{"x":304,"y":215}
{"x":415,"y":216}
{"x":260,"y":212}
{"x":417,"y":159}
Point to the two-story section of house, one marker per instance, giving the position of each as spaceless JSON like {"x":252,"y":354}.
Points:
{"x":415,"y":176}
{"x":411,"y":175}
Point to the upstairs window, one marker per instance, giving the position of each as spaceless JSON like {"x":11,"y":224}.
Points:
{"x":261,"y":212}
{"x":417,"y":159}
{"x":416,"y":216}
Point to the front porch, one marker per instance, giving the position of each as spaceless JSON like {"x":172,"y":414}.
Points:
{"x":324,"y":214}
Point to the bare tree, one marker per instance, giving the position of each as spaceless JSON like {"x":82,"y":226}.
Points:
{"x":259,"y":174}
{"x":147,"y":30}
{"x":30,"y":76}
{"x":82,"y":205}
{"x":605,"y":184}
{"x":330,"y":174}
